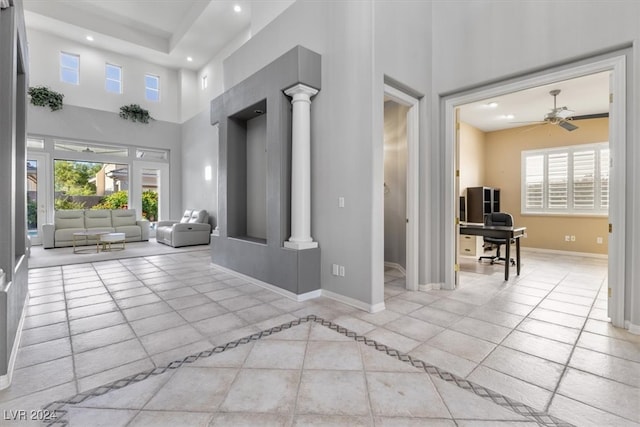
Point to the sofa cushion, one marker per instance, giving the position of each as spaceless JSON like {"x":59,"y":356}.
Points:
{"x":123,"y":217}
{"x":99,"y":218}
{"x":66,"y":234}
{"x":186,"y":216}
{"x":199,"y":216}
{"x":69,"y":219}
{"x":132,"y":232}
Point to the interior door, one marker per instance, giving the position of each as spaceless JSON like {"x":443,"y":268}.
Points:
{"x":38,"y":197}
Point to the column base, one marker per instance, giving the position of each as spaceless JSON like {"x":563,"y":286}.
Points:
{"x":300,"y":245}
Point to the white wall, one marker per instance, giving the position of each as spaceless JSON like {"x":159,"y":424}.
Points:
{"x":45,"y":70}
{"x":85,"y":124}
{"x":199,"y":150}
{"x":264,"y":11}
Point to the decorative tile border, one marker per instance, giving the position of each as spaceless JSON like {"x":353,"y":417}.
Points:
{"x":542,"y":418}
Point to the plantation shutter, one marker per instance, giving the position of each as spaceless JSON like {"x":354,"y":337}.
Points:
{"x":584,"y":174}
{"x":558,"y":173}
{"x":604,"y":178}
{"x":534,"y":182}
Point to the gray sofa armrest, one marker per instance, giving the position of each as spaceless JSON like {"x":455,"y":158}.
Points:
{"x":144,"y":229}
{"x":48,"y":235}
{"x":186,"y":226}
{"x":165,"y":223}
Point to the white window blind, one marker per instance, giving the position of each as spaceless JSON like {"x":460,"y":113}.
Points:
{"x":566,"y":180}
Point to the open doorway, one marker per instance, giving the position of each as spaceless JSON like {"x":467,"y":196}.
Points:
{"x":605,"y":180}
{"x":400,"y":177}
{"x":395,"y":193}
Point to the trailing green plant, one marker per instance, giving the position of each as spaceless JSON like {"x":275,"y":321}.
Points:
{"x":42,"y":96}
{"x":135,"y":113}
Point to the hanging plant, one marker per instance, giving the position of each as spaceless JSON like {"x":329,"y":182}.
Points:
{"x":42,"y":96}
{"x":135,"y":113}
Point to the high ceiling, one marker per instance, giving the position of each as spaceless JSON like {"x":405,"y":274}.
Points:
{"x":584,"y":96}
{"x":164,"y":32}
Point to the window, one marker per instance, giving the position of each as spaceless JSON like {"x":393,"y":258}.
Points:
{"x":70,"y":68}
{"x":152,"y":87}
{"x":567,"y":180}
{"x":113,"y":78}
{"x":205,"y":82}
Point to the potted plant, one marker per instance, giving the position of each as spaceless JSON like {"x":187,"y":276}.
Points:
{"x":42,"y":96}
{"x":135,"y":113}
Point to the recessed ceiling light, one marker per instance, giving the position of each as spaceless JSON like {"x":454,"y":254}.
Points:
{"x":507,"y":117}
{"x":237,"y":8}
{"x":492,"y":104}
{"x":189,"y":58}
{"x":90,"y":38}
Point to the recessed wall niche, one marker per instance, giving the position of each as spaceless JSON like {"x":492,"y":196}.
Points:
{"x":255,"y":171}
{"x":247,"y":173}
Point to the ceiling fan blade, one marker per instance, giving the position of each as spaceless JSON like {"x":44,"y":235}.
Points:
{"x":567,"y":126}
{"x":590,"y":116}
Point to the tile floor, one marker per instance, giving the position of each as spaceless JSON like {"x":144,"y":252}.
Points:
{"x":541,"y":339}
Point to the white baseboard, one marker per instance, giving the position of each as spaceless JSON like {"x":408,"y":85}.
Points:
{"x":426,"y":287}
{"x":558,"y":252}
{"x":370,"y":308}
{"x":634,"y":329}
{"x":396,"y":266}
{"x":5,"y":380}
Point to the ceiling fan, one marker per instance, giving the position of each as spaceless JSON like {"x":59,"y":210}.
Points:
{"x":558,"y":116}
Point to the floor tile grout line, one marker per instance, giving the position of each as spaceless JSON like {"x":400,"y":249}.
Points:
{"x":573,"y":349}
{"x":501,"y":400}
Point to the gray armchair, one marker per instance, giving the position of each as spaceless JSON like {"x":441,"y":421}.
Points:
{"x":192,"y":229}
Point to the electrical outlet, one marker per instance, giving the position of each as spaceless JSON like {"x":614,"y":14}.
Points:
{"x":342,"y":271}
{"x":567,"y":238}
{"x":599,"y":240}
{"x":573,"y":238}
{"x":341,"y":202}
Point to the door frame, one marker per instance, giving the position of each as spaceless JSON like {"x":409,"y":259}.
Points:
{"x":135,"y":195}
{"x":616,"y":64}
{"x":44,"y":188}
{"x":413,"y":174}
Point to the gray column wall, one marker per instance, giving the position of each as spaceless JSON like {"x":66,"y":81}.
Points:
{"x":13,"y":256}
{"x":262,"y":93}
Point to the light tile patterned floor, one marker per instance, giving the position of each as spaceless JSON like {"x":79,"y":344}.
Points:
{"x":541,"y":339}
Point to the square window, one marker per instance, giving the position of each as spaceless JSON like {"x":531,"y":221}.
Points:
{"x":113,"y":81}
{"x":70,"y":68}
{"x":152,"y":87}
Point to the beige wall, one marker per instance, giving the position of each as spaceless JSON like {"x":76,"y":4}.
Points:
{"x":502,"y":169}
{"x":472,"y":157}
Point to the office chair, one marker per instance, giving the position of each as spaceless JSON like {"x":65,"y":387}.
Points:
{"x":497,"y":218}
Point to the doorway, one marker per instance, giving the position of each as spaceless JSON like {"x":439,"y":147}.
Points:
{"x":400,"y":178}
{"x":615,"y":65}
{"x":38,"y":196}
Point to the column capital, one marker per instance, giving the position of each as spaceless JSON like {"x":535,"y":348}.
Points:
{"x":301,"y":89}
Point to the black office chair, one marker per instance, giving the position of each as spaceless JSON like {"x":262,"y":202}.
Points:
{"x":497,"y":218}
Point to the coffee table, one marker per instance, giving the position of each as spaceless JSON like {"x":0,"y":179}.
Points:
{"x":106,"y":240}
{"x":86,"y":235}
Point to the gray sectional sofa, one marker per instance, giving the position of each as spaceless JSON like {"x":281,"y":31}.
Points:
{"x":66,"y":222}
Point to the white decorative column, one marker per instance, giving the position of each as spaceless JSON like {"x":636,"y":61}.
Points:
{"x":301,"y":168}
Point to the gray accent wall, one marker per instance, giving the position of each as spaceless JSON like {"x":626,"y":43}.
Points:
{"x":13,"y":230}
{"x":240,"y":113}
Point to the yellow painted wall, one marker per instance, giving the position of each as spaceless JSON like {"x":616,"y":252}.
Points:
{"x":502,"y":162}
{"x":472,"y":160}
